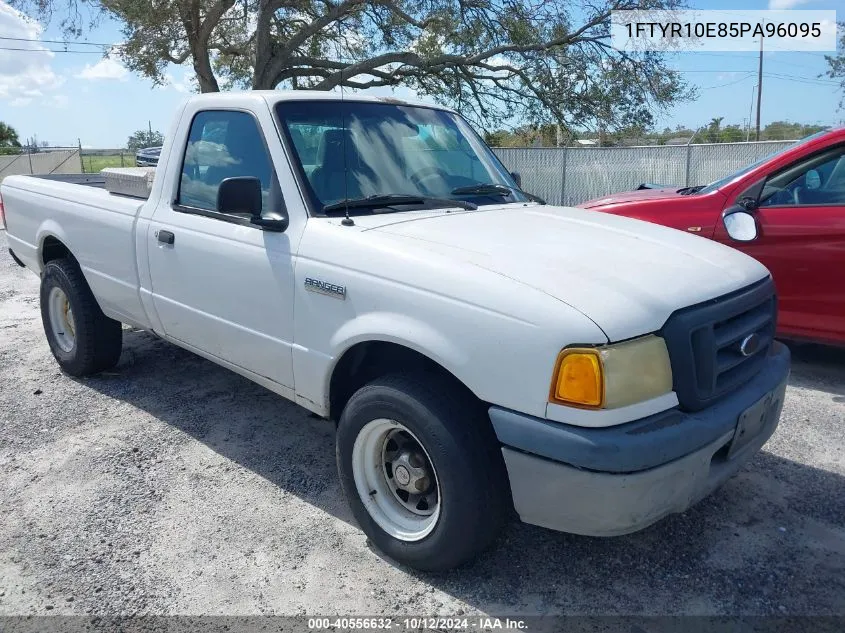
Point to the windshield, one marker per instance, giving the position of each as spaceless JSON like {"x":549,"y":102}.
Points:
{"x":353,"y":150}
{"x":716,"y":184}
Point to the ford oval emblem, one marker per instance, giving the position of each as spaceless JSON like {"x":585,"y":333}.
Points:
{"x":750,"y":344}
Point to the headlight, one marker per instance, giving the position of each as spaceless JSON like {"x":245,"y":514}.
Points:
{"x":613,"y":376}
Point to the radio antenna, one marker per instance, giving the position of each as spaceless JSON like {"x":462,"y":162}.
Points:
{"x":346,"y":221}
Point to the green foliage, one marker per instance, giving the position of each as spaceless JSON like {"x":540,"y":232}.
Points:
{"x":8,"y":136}
{"x":713,"y":132}
{"x":531,"y":135}
{"x":144,"y":138}
{"x":540,"y":61}
{"x":94,"y":163}
{"x":786,"y":130}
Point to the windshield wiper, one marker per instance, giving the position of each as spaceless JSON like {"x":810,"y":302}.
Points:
{"x":489,"y":188}
{"x":383,"y":200}
{"x":483,"y":188}
{"x":688,"y":191}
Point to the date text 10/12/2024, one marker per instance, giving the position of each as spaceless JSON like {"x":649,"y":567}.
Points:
{"x":480,"y":623}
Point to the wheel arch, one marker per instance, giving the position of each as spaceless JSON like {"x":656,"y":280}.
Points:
{"x":52,"y":244}
{"x":365,"y":360}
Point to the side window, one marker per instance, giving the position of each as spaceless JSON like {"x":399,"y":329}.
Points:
{"x":222,"y":144}
{"x":818,"y":180}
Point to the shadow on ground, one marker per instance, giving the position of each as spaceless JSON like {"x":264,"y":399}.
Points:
{"x":819,"y":367}
{"x":770,"y":541}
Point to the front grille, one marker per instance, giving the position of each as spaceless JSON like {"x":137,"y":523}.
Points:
{"x":704,"y":343}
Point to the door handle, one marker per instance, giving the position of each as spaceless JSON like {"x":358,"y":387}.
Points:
{"x":166,"y":237}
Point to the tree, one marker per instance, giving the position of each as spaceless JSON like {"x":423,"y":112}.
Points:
{"x":538,"y":60}
{"x":836,"y":63}
{"x":788,"y":131}
{"x":497,"y":138}
{"x":144,"y":138}
{"x":8,"y":136}
{"x":731,"y":134}
{"x":714,"y":129}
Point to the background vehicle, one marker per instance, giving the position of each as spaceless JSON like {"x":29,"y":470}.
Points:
{"x":797,"y":200}
{"x":147,"y":157}
{"x":374,"y":262}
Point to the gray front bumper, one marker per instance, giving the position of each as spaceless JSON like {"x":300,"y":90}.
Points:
{"x":605,"y":482}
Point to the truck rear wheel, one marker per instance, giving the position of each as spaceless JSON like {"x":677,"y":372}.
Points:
{"x":83,"y":340}
{"x":422,"y":471}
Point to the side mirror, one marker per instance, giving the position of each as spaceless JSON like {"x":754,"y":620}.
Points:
{"x":240,"y":195}
{"x":741,"y":226}
{"x":517,"y":178}
{"x":243,"y":195}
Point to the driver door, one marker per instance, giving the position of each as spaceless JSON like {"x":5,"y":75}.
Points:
{"x":801,"y":240}
{"x":221,"y":285}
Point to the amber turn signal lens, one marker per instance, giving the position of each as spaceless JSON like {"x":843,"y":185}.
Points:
{"x":579,"y":379}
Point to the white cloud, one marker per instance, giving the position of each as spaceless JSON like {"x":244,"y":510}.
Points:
{"x":774,"y":5}
{"x":24,"y":75}
{"x":105,"y":69}
{"x":185,"y":85}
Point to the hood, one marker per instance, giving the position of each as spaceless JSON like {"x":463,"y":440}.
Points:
{"x":633,"y":196}
{"x":626,"y":275}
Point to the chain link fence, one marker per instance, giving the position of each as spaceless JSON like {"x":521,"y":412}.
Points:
{"x":564,"y":175}
{"x":62,"y":160}
{"x":571,"y":175}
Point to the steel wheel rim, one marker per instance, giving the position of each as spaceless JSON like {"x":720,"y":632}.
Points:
{"x":62,"y":322}
{"x":393,"y":498}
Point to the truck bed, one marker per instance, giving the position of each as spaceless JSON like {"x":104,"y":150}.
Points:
{"x":89,"y":180}
{"x":97,"y":226}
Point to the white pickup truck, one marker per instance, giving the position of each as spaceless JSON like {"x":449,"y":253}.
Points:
{"x":481,"y":352}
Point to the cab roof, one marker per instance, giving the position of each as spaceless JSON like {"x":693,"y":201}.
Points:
{"x":272,"y":97}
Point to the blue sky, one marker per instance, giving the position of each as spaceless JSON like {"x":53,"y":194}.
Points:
{"x":65,"y":98}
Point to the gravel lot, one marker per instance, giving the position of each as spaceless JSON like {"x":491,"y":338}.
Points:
{"x":172,"y":486}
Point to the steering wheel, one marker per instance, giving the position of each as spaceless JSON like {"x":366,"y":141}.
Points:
{"x":796,"y":195}
{"x":426,"y":173}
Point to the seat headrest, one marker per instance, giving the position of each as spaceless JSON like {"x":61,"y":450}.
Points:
{"x":242,"y":137}
{"x":332,"y":147}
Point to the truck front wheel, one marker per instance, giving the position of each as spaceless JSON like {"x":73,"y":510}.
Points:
{"x":422,"y":471}
{"x":83,"y":340}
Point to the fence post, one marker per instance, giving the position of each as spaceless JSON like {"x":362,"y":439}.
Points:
{"x":81,"y":159}
{"x":686,"y":176}
{"x":563,"y":177}
{"x":29,"y":155}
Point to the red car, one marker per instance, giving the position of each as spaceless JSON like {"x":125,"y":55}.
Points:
{"x":787,"y":211}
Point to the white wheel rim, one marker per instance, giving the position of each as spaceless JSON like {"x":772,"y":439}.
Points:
{"x":407,"y":516}
{"x":62,"y":322}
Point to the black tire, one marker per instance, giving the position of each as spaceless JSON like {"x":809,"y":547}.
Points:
{"x":459,"y":440}
{"x":98,"y":339}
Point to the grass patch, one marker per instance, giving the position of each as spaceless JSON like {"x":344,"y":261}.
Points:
{"x":93,"y":164}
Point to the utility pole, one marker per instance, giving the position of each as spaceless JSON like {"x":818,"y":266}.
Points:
{"x":750,"y":113}
{"x":759,"y":88}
